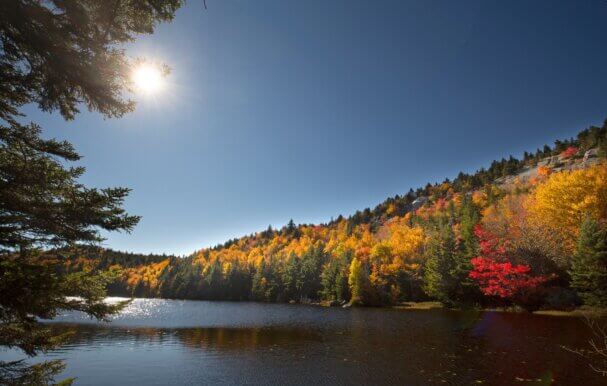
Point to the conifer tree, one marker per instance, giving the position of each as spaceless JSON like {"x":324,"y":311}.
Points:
{"x":438,"y":279}
{"x":589,"y":265}
{"x":334,"y":278}
{"x":465,"y":290}
{"x":290,"y":276}
{"x":60,"y":56}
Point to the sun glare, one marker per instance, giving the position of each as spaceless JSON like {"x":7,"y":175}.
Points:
{"x":148,"y":79}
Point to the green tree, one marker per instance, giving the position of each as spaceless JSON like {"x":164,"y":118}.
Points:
{"x":465,"y":290}
{"x":290,"y":277}
{"x":259,"y":285}
{"x":267,"y":283}
{"x":334,"y":278}
{"x":311,"y":268}
{"x":589,"y":264}
{"x":59,"y":55}
{"x":440,"y":263}
{"x":43,"y":205}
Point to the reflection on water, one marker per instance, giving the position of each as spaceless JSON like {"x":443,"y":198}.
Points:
{"x":213,"y":338}
{"x":186,"y":342}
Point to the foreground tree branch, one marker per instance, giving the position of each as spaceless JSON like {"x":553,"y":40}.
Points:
{"x":61,"y":56}
{"x":596,"y":353}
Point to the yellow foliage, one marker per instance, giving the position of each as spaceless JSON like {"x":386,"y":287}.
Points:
{"x":562,"y":201}
{"x":479,"y":198}
{"x":406,"y":241}
{"x":298,"y":246}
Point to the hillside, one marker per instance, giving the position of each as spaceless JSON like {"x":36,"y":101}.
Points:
{"x":514,"y":233}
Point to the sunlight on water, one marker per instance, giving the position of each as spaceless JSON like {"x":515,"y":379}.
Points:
{"x":141,"y":308}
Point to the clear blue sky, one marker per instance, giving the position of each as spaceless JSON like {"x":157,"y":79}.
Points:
{"x":308,"y":109}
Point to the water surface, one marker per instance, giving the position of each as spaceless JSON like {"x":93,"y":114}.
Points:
{"x":159,"y":342}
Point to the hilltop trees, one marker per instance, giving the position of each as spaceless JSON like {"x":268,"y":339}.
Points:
{"x":466,"y":242}
{"x":485,"y":247}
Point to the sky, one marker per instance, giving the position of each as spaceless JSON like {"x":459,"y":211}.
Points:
{"x":281,"y":109}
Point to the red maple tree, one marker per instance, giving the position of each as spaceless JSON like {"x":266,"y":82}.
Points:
{"x":496,"y":274}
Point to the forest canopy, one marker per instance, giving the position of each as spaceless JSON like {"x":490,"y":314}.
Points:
{"x":511,"y":234}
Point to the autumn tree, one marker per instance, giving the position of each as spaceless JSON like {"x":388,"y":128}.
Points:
{"x":565,"y":198}
{"x":589,"y":266}
{"x":358,"y":280}
{"x":498,"y":276}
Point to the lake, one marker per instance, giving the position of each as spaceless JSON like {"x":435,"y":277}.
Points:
{"x":160,"y":342}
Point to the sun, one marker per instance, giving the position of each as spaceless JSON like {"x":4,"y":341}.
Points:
{"x":147,"y":78}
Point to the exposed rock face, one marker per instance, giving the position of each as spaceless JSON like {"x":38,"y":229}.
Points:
{"x":419,"y":202}
{"x":592,"y":153}
{"x":555,"y":162}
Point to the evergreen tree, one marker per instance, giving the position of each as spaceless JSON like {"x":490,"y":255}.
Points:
{"x":259,"y":285}
{"x":589,"y":265}
{"x":440,"y":263}
{"x":58,"y":55}
{"x":43,"y":205}
{"x":267,"y":283}
{"x":290,"y":277}
{"x":311,"y":267}
{"x":334,"y":278}
{"x":328,"y":278}
{"x":213,"y":281}
{"x":465,"y":290}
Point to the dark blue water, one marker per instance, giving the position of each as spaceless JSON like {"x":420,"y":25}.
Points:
{"x":161,"y":342}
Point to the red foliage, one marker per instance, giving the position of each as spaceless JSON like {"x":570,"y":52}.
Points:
{"x":504,"y":280}
{"x":496,"y":275}
{"x":489,"y":244}
{"x":569,"y":152}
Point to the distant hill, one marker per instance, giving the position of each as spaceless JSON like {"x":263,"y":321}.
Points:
{"x":428,"y":243}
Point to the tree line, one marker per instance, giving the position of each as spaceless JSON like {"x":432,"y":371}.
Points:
{"x":535,"y":242}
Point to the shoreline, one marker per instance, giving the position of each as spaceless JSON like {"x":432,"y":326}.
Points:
{"x":584,"y":311}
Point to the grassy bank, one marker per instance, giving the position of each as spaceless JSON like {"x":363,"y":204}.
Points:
{"x":418,"y":305}
{"x":582,"y":311}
